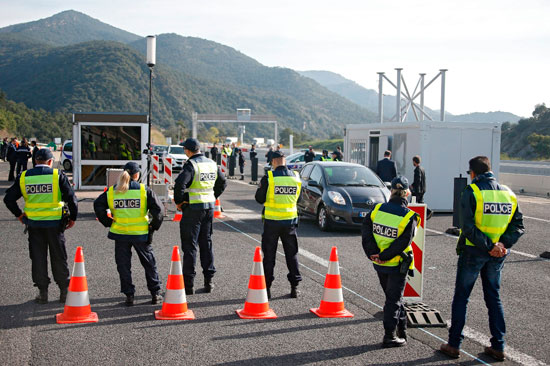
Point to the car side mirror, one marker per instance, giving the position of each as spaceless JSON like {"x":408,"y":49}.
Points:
{"x":313,"y":183}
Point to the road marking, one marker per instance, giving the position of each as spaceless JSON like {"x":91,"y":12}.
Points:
{"x":355,"y":293}
{"x":313,"y":257}
{"x":511,"y":250}
{"x":536,"y":218}
{"x":511,"y":353}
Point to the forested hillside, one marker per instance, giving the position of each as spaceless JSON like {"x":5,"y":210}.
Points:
{"x":530,"y":138}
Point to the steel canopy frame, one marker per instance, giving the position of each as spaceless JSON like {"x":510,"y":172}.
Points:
{"x":240,"y":117}
{"x":402,"y":111}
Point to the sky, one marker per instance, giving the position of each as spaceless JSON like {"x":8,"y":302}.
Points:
{"x":497,"y":51}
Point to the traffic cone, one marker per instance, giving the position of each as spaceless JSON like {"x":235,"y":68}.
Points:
{"x":174,"y":306}
{"x":177,"y":216}
{"x":332,"y":303}
{"x":77,"y":306}
{"x":218,"y":210}
{"x":256,"y":305}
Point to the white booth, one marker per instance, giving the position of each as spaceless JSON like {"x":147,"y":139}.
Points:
{"x":104,"y":141}
{"x":444,"y":147}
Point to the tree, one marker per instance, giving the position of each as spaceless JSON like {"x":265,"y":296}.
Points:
{"x":540,"y":143}
{"x":284,"y":136}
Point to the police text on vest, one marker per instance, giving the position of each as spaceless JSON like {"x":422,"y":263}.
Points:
{"x":496,"y":208}
{"x":286,"y":190}
{"x":207,"y":177}
{"x":127,"y":203}
{"x":382,"y":230}
{"x":39,"y":188}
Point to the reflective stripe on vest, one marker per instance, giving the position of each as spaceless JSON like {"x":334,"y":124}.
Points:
{"x":282,"y":196}
{"x":129,"y":210}
{"x":326,"y":159}
{"x":387,"y":227}
{"x":42,"y":196}
{"x":201,"y":189}
{"x":494,"y":211}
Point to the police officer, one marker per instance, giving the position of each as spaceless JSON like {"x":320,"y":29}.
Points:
{"x":491,"y":223}
{"x":279,"y":192}
{"x":44,"y":190}
{"x":11,"y":156}
{"x":196,"y":189}
{"x":387,"y":235}
{"x":325,"y":156}
{"x":129,"y":202}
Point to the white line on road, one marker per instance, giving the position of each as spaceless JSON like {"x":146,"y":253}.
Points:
{"x":511,"y":250}
{"x":536,"y":218}
{"x":354,"y":293}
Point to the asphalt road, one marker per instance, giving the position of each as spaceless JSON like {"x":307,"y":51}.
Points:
{"x":29,"y":334}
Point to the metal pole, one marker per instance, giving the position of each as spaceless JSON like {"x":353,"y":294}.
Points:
{"x":150,"y":123}
{"x":422,"y":95}
{"x":291,"y":143}
{"x":276,"y":134}
{"x":398,"y":96}
{"x":194,"y":125}
{"x":443,"y":94}
{"x":380,"y":97}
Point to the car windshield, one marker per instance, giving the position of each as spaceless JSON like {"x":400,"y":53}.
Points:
{"x":176,"y":150}
{"x":160,"y":148}
{"x":351,"y":176}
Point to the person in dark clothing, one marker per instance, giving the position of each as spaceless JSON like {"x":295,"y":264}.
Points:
{"x":214,"y":152}
{"x":4,"y":148}
{"x":269,"y":154}
{"x":339,"y":153}
{"x":195,"y":195}
{"x":129,"y":200}
{"x":309,"y":155}
{"x":11,"y":156}
{"x":23,"y":154}
{"x":280,"y":223}
{"x":242,"y":163}
{"x":253,"y":152}
{"x":491,"y":223}
{"x":45,"y":224}
{"x":418,"y":187}
{"x":335,"y":156}
{"x":34,"y":151}
{"x":386,"y":168}
{"x":387,"y":234}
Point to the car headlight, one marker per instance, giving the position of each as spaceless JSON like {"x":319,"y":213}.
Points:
{"x":336,"y":197}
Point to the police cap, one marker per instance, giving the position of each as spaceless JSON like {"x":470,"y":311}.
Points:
{"x":44,"y":155}
{"x":191,"y":144}
{"x":400,"y":182}
{"x":277,"y":154}
{"x":132,"y":168}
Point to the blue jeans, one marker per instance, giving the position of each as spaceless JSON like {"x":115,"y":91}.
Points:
{"x":470,"y":265}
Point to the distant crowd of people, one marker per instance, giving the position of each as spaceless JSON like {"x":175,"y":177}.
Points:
{"x":17,"y":153}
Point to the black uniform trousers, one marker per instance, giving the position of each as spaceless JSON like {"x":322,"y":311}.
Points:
{"x":270,"y":239}
{"x":420,"y":199}
{"x":11,"y":175}
{"x":123,"y":258}
{"x":393,"y":285}
{"x":196,"y":232}
{"x":40,"y":240}
{"x":21,"y":167}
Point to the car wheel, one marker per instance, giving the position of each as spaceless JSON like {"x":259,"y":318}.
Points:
{"x":67,"y":166}
{"x":323,"y":220}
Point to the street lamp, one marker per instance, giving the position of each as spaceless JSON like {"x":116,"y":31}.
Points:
{"x":151,"y":60}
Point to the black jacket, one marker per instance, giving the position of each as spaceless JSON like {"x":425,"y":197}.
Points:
{"x":23,"y":154}
{"x":154,"y":206}
{"x":185,"y":178}
{"x":253,"y":153}
{"x":419,"y":183}
{"x":483,"y":244}
{"x":386,"y":169}
{"x":214,"y":152}
{"x":241,"y":159}
{"x":261,"y":193}
{"x":399,"y":207}
{"x":34,"y":151}
{"x":11,"y":155}
{"x":309,"y":156}
{"x":268,"y":155}
{"x":67,"y":195}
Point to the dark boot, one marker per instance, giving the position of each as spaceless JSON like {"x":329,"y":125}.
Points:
{"x":268,"y":293}
{"x":401,"y":332}
{"x":155,"y":298}
{"x":189,"y":287}
{"x":42,"y":297}
{"x":63,"y":295}
{"x":391,"y":340}
{"x":129,"y":300}
{"x":293,"y":291}
{"x":208,"y":285}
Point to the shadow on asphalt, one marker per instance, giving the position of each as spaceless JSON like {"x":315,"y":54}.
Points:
{"x":272,"y":332}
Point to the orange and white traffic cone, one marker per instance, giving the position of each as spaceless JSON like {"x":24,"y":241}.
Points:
{"x":218,"y":210}
{"x":77,"y":306}
{"x":332,"y":303}
{"x":177,"y":216}
{"x":256,"y":305}
{"x":174,"y":306}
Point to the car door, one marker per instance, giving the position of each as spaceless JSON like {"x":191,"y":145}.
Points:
{"x":304,"y":176}
{"x":313,"y":190}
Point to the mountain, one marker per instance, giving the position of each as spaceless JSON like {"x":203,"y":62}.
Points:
{"x":530,"y":137}
{"x":69,"y":27}
{"x":191,"y":75}
{"x":368,"y":98}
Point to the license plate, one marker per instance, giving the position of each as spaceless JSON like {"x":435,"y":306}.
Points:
{"x":363,"y":214}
